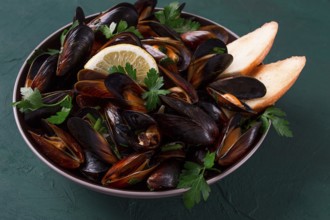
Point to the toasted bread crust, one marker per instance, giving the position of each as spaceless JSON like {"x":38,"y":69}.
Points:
{"x":251,"y":49}
{"x":278,"y":78}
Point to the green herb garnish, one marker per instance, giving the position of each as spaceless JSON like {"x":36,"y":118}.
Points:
{"x":192,"y":176}
{"x":275,"y":115}
{"x":219,"y":50}
{"x":114,"y":28}
{"x":154,"y":83}
{"x":32,"y":100}
{"x":66,"y":31}
{"x":170,"y":16}
{"x":61,"y":115}
{"x":129,"y":70}
{"x":97,"y":123}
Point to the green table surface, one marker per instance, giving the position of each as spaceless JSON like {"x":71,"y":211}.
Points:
{"x":287,"y":178}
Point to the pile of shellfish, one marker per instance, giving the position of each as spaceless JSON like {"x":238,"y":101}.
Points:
{"x":110,"y":138}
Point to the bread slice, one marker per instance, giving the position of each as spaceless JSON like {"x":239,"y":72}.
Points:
{"x":278,"y":78}
{"x":251,"y":49}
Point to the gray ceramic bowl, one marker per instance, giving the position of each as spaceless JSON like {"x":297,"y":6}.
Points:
{"x":49,"y":42}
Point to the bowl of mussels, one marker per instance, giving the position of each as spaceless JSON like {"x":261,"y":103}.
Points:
{"x":146,"y":102}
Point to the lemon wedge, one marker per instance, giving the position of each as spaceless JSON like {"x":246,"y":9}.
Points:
{"x":121,"y":54}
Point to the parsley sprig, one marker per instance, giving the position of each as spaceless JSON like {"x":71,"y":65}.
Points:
{"x":66,"y":31}
{"x":128,"y":69}
{"x":154,"y":83}
{"x":275,"y":115}
{"x":32,"y":100}
{"x":171,"y":17}
{"x":114,"y":28}
{"x":192,"y":176}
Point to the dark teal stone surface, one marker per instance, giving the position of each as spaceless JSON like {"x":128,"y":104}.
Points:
{"x":284,"y":179}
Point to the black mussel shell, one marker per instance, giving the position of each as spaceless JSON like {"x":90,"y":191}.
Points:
{"x":76,"y":49}
{"x":165,"y":176}
{"x":122,"y":11}
{"x":243,"y":87}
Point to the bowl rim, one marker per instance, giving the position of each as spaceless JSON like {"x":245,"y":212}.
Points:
{"x":97,"y":187}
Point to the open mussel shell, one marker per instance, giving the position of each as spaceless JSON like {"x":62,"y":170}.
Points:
{"x":209,"y":46}
{"x":237,"y":143}
{"x":128,"y":171}
{"x":119,"y":83}
{"x":90,"y":139}
{"x":210,"y":59}
{"x":146,"y":135}
{"x":180,"y":82}
{"x":172,"y":49}
{"x":242,"y":87}
{"x":126,"y":92}
{"x":60,"y":147}
{"x":230,"y":102}
{"x":204,"y":71}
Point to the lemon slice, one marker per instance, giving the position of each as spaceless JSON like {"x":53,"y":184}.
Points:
{"x":121,"y":54}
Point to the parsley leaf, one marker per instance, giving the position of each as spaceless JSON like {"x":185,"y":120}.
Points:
{"x":114,"y":28}
{"x":275,"y":115}
{"x":32,"y":100}
{"x":129,"y":70}
{"x":219,"y":50}
{"x":170,"y":16}
{"x":66,"y":31}
{"x":154,"y":83}
{"x":61,"y":115}
{"x":193,"y":176}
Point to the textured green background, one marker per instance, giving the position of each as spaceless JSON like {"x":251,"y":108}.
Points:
{"x":285,"y":179}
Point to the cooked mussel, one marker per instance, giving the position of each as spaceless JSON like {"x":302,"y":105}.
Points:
{"x":93,"y":168}
{"x":171,"y":49}
{"x":230,"y":92}
{"x":146,"y":135}
{"x":145,"y":8}
{"x":76,"y":48}
{"x":122,"y":11}
{"x":60,"y":147}
{"x":210,"y":59}
{"x":190,"y":124}
{"x":165,"y":176}
{"x":91,"y":140}
{"x":236,"y":141}
{"x":129,"y":171}
{"x":243,"y":87}
{"x":42,"y":72}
